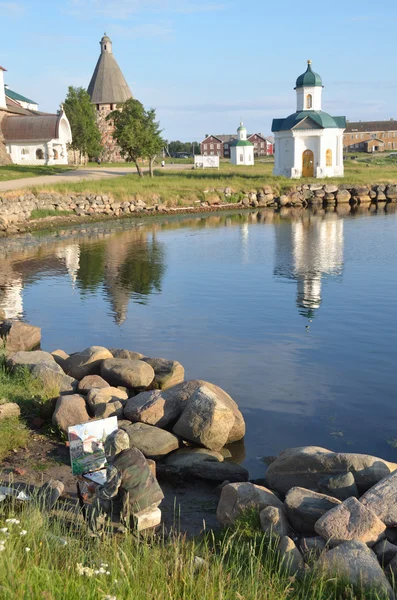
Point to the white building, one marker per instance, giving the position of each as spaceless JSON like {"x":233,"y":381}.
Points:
{"x":241,"y":150}
{"x":309,"y":143}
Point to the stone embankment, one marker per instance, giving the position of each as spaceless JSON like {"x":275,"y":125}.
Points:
{"x":17,"y":210}
{"x":332,"y":513}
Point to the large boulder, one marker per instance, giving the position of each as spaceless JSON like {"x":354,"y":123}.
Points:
{"x":274,"y":521}
{"x":9,"y":410}
{"x":305,"y":507}
{"x":238,"y":497}
{"x":189,"y":457}
{"x":30,"y":360}
{"x":219,"y":471}
{"x":167,"y":372}
{"x":381,"y":499}
{"x":99,"y":396}
{"x":54,"y":379}
{"x":151,"y":441}
{"x":351,"y":520}
{"x":70,"y":410}
{"x":306,"y":466}
{"x":87,"y":362}
{"x":121,"y":353}
{"x":19,"y":336}
{"x":134,"y":374}
{"x":109,"y":409}
{"x":91,"y":381}
{"x":355,"y":562}
{"x":60,"y":356}
{"x":339,"y":486}
{"x":206,"y":420}
{"x":385,"y":551}
{"x":291,"y":558}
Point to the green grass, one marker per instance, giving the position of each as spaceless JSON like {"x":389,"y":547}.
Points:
{"x":9,"y":172}
{"x":13,"y":435}
{"x":41,"y":213}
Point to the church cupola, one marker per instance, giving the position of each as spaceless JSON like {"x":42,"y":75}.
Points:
{"x":106,"y":44}
{"x":242,"y":132}
{"x":309,"y":88}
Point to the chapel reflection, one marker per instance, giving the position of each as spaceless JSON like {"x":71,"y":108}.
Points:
{"x":309,"y":250}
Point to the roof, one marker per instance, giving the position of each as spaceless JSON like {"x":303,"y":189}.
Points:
{"x":17,"y":97}
{"x":320,"y":120}
{"x":107,"y":85}
{"x":309,"y":78}
{"x":235,"y":143}
{"x":371,"y":126}
{"x":229,"y":138}
{"x":221,"y":138}
{"x":2,"y":68}
{"x":30,"y":128}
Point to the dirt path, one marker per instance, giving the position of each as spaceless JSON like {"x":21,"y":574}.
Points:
{"x":83,"y":174}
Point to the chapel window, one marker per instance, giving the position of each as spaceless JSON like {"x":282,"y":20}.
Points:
{"x":309,"y":101}
{"x":241,"y":158}
{"x":328,"y":158}
{"x":55,"y":154}
{"x":39,"y":154}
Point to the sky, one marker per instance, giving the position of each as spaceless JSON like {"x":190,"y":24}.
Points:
{"x":206,"y":64}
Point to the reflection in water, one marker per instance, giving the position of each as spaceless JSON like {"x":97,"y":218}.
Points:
{"x":71,"y":256}
{"x":307,"y":250}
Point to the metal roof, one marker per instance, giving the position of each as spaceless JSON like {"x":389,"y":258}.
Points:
{"x":309,"y":78}
{"x":240,"y":143}
{"x":322,"y":119}
{"x":17,"y":97}
{"x":371,"y":126}
{"x":107,"y":85}
{"x":30,"y":128}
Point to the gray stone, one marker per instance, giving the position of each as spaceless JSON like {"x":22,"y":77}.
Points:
{"x":305,"y":507}
{"x":19,"y":336}
{"x":205,"y":420}
{"x":339,"y":486}
{"x":167,"y":372}
{"x":129,"y":373}
{"x":273,"y":521}
{"x":99,"y":396}
{"x":306,"y":466}
{"x":108,"y":409}
{"x":343,"y":196}
{"x":9,"y":410}
{"x":381,"y":498}
{"x":330,"y":189}
{"x":351,"y":520}
{"x":87,"y":362}
{"x":70,"y":410}
{"x":238,"y":497}
{"x":381,"y":197}
{"x":391,"y":192}
{"x":356,"y":563}
{"x":360,"y":191}
{"x":189,"y":457}
{"x":219,"y":471}
{"x":291,"y":558}
{"x":54,"y":379}
{"x":29,"y":359}
{"x":2,"y":315}
{"x":154,"y":408}
{"x":121,"y":353}
{"x":385,"y":551}
{"x":151,"y":441}
{"x":311,"y":547}
{"x":59,"y":356}
{"x":91,"y":381}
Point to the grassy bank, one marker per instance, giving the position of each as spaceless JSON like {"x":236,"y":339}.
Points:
{"x":10,"y":172}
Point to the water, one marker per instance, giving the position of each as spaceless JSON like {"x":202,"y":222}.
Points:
{"x":293,"y":315}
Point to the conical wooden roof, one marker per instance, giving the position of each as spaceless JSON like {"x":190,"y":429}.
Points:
{"x":107,"y":85}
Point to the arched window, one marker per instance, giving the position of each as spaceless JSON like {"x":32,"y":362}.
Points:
{"x":39,"y":154}
{"x":309,"y":101}
{"x":328,"y":158}
{"x":56,"y":154}
{"x":241,"y":157}
{"x":24,"y":153}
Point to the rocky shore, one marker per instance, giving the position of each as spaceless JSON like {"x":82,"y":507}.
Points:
{"x":16,"y":211}
{"x":331,"y":512}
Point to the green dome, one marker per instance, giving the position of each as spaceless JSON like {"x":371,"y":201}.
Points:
{"x":309,"y":78}
{"x":241,"y":128}
{"x":322,"y":119}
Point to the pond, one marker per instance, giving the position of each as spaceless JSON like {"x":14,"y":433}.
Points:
{"x":294,"y":314}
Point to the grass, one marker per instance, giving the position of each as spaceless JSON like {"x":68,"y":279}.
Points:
{"x":13,"y":434}
{"x":41,"y":213}
{"x":235,"y":567}
{"x":9,"y":172}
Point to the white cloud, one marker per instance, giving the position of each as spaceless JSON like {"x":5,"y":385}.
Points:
{"x":123,"y":9}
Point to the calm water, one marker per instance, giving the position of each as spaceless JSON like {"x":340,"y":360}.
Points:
{"x":295,"y":316}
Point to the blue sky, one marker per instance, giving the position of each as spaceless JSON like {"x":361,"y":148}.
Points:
{"x":204,"y":64}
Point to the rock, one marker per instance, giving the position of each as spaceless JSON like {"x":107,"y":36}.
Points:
{"x":70,"y":410}
{"x":305,"y":507}
{"x":49,"y":493}
{"x":311,"y":547}
{"x":339,"y":486}
{"x":391,"y":192}
{"x":360,"y":191}
{"x":2,"y":315}
{"x":130,"y":373}
{"x":87,"y":362}
{"x":151,"y":441}
{"x":283,"y":200}
{"x":381,"y":498}
{"x":99,"y":396}
{"x":306,"y":466}
{"x":356,"y":563}
{"x":167,"y":372}
{"x":206,"y":420}
{"x":351,"y":520}
{"x":54,"y":379}
{"x":189,"y":457}
{"x":291,"y":558}
{"x":238,"y":497}
{"x":274,"y":521}
{"x":343,"y":196}
{"x":120,"y":353}
{"x":219,"y":471}
{"x":9,"y":410}
{"x":29,"y":359}
{"x":385,"y":551}
{"x":331,"y":189}
{"x":91,"y":381}
{"x":381,"y":197}
{"x":109,"y":409}
{"x":19,"y":336}
{"x":146,"y":519}
{"x":59,"y":356}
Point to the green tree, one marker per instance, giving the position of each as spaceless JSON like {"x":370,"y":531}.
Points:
{"x":81,"y":114}
{"x":137,"y":133}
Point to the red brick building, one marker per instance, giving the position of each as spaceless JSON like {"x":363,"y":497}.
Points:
{"x":219,"y":145}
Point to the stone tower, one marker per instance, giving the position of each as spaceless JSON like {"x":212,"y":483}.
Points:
{"x":107,"y":89}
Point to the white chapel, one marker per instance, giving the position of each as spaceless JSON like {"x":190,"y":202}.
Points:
{"x":309,"y":143}
{"x":241,"y":150}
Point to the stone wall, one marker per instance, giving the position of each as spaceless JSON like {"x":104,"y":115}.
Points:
{"x":111,"y":151}
{"x":17,"y":209}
